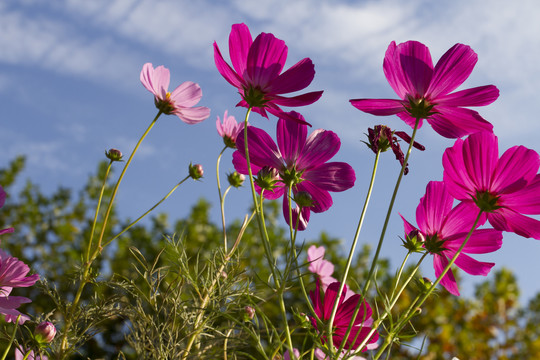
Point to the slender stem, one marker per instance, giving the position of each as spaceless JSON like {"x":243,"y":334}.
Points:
{"x":389,"y":212}
{"x":12,"y":338}
{"x":147,"y":212}
{"x":97,"y":211}
{"x":221,"y":200}
{"x":409,"y":313}
{"x":351,"y":254}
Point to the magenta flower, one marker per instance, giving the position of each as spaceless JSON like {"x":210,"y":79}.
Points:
{"x":444,"y":229}
{"x":257,"y":73}
{"x":13,"y":274}
{"x":425,"y":91}
{"x":181,"y":101}
{"x":506,"y":188}
{"x":345,"y":310}
{"x":2,"y":202}
{"x":298,"y":160}
{"x":229,"y":129}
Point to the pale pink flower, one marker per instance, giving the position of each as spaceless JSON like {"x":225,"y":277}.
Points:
{"x":19,"y":355}
{"x":229,"y":129}
{"x":287,"y":354}
{"x":180,"y":101}
{"x":319,"y":266}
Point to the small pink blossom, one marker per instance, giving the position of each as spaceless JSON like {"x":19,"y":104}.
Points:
{"x":229,"y":129}
{"x":426,"y":92}
{"x":506,"y":188}
{"x":19,"y":355}
{"x":257,"y":73}
{"x":319,"y":266}
{"x":180,"y":101}
{"x":287,"y":354}
{"x":45,"y":332}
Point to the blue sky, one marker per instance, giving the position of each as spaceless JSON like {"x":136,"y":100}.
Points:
{"x":70,"y":89}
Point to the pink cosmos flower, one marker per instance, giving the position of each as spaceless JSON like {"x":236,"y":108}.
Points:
{"x":505,"y":187}
{"x":362,"y":324}
{"x":298,"y":160}
{"x":229,"y":129}
{"x":13,"y":274}
{"x":319,"y":266}
{"x":2,"y":202}
{"x":426,"y":91}
{"x":445,"y":228}
{"x":180,"y":101}
{"x":19,"y":355}
{"x":287,"y":354}
{"x":257,"y":73}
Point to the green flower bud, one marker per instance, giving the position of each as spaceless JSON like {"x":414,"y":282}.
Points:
{"x":196,"y":171}
{"x":236,"y":179}
{"x":114,"y":155}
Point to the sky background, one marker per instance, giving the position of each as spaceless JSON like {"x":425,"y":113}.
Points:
{"x":70,"y":89}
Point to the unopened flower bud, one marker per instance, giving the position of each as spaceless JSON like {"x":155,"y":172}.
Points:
{"x":267,"y":178}
{"x":249,"y":313}
{"x":114,"y":155}
{"x":236,"y":179}
{"x":425,"y":284}
{"x":414,"y":241}
{"x":303,"y":199}
{"x":45,"y":332}
{"x":196,"y":171}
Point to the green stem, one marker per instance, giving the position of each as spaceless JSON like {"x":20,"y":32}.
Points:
{"x":12,"y":338}
{"x":351,"y":254}
{"x":147,"y":212}
{"x":409,"y":313}
{"x":389,"y":212}
{"x":97,"y":211}
{"x":221,"y":200}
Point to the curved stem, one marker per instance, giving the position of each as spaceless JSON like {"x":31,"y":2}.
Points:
{"x":221,"y":201}
{"x":351,"y":253}
{"x":147,"y":212}
{"x":12,"y":338}
{"x":389,"y":212}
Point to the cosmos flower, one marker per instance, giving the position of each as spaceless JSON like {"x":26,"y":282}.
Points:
{"x":257,"y":73}
{"x":345,"y":310}
{"x":298,"y":160}
{"x":426,"y":92}
{"x":229,"y":129}
{"x":19,"y":355}
{"x":506,"y":188}
{"x":444,"y":229}
{"x":319,"y":266}
{"x":12,"y":275}
{"x":180,"y":101}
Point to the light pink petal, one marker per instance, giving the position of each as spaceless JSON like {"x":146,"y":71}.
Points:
{"x":472,"y":266}
{"x":321,"y":146}
{"x":298,"y":77}
{"x":448,"y":281}
{"x":299,"y":100}
{"x":156,"y":81}
{"x":262,"y":149}
{"x":482,"y":241}
{"x":455,"y":122}
{"x":322,"y":200}
{"x":417,"y":67}
{"x":225,"y":69}
{"x":186,"y":94}
{"x":526,"y":200}
{"x":509,"y":220}
{"x":452,"y":69}
{"x":239,"y":43}
{"x":379,"y":107}
{"x":193,"y":115}
{"x":515,"y":169}
{"x":314,"y":256}
{"x":433,"y":208}
{"x":304,"y":215}
{"x":332,"y":176}
{"x":291,"y":137}
{"x":265,"y":61}
{"x":478,"y":96}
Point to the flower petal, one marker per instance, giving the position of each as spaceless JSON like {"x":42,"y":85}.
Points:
{"x":452,"y":69}
{"x":482,"y":241}
{"x":472,"y":266}
{"x":417,"y":67}
{"x":291,"y":137}
{"x":155,"y":80}
{"x":225,"y":69}
{"x":265,"y":61}
{"x":526,"y":200}
{"x":448,"y":281}
{"x":322,"y":200}
{"x":460,"y":219}
{"x":299,"y":100}
{"x":433,"y":208}
{"x":262,"y":149}
{"x":296,"y":78}
{"x":186,"y":94}
{"x":304,"y":215}
{"x":321,"y":146}
{"x":379,"y":107}
{"x":478,"y":96}
{"x":516,"y":167}
{"x":509,"y":220}
{"x":193,"y":115}
{"x":239,"y":43}
{"x":455,"y":122}
{"x":333,"y":176}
